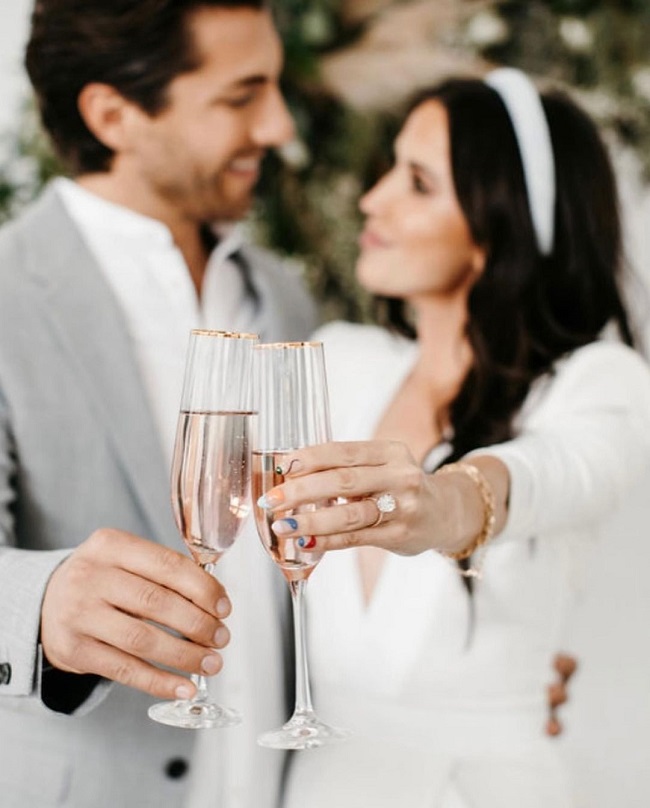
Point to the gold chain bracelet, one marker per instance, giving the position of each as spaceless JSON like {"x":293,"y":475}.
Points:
{"x":489,"y":507}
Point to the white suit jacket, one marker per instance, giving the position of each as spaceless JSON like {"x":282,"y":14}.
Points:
{"x":429,"y":707}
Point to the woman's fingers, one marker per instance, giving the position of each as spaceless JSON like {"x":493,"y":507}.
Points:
{"x":346,"y":524}
{"x":340,"y":495}
{"x":399,"y":476}
{"x":341,"y":454}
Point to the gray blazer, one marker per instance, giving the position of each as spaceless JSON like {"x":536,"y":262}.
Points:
{"x":78,"y":451}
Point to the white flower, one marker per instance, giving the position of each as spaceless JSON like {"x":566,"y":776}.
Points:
{"x":295,"y":154}
{"x":641,"y":81}
{"x":487,"y":28}
{"x":576,"y":34}
{"x":316,"y":27}
{"x":21,"y":171}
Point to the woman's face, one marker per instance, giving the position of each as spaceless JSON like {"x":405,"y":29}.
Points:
{"x":416,"y":242}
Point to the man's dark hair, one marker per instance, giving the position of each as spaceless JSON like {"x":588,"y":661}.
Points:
{"x":136,"y":46}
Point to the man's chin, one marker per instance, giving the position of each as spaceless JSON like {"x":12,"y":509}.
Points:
{"x":232,"y":210}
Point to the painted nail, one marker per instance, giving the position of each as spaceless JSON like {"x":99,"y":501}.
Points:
{"x":224,"y":607}
{"x":184,"y":692}
{"x":211,"y":664}
{"x":307,"y":543}
{"x":221,"y":637}
{"x":271,"y":499}
{"x":282,"y":526}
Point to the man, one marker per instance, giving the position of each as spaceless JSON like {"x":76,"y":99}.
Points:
{"x":163,"y":110}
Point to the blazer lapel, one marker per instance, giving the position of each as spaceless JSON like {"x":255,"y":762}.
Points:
{"x":89,"y":328}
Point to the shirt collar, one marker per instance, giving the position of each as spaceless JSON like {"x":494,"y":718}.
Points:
{"x":97,"y":214}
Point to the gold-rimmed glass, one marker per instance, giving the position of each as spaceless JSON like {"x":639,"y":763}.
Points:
{"x":293,"y":412}
{"x":210,"y":479}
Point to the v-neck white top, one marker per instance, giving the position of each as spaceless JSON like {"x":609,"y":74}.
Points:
{"x":428,"y":700}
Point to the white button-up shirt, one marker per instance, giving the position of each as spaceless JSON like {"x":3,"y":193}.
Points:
{"x":154,"y":290}
{"x":152,"y":284}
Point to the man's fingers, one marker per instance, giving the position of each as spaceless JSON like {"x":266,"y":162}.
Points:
{"x":565,"y":665}
{"x":111,"y":663}
{"x":105,"y":597}
{"x":155,"y":563}
{"x":136,"y":596}
{"x":144,"y":641}
{"x":553,"y":726}
{"x":557,"y":694}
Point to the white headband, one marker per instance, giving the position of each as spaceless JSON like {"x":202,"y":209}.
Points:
{"x":528,"y":119}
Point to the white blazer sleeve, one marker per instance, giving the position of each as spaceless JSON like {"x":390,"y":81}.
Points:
{"x":582,"y":445}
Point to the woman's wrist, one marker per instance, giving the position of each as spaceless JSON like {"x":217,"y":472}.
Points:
{"x":473,"y":496}
{"x":475,"y":520}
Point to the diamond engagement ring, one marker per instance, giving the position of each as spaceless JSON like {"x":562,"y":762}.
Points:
{"x":386,"y":503}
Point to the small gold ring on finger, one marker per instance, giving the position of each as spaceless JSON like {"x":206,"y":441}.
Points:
{"x":386,"y":503}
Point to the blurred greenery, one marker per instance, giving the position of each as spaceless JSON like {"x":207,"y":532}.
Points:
{"x":309,"y":195}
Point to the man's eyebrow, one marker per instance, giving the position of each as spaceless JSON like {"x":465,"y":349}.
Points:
{"x":250,"y":81}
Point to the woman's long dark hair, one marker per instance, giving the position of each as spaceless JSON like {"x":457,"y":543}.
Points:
{"x":526,"y":310}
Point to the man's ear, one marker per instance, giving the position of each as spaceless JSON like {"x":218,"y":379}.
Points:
{"x":106,"y":113}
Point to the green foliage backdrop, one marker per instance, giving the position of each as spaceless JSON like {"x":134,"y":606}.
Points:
{"x":351,"y":64}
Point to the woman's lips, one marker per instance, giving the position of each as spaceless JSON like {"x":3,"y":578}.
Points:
{"x":369,"y":240}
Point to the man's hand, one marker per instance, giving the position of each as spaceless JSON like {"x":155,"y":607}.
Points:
{"x":101,"y":607}
{"x":565,"y":666}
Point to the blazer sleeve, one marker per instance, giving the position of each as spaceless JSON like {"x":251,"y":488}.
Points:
{"x":24,"y":575}
{"x":583,"y":443}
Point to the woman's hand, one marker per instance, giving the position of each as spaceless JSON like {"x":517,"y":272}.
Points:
{"x":430,"y":511}
{"x":357,"y":473}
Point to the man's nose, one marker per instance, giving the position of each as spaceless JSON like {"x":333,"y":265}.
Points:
{"x":274,"y":126}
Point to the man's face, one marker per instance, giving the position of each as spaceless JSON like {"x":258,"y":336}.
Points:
{"x":199,"y":158}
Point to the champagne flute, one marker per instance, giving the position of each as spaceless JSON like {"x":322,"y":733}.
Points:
{"x":210,"y":480}
{"x":293,"y":412}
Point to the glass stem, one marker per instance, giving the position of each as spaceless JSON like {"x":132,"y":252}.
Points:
{"x":198,"y":680}
{"x":303,"y":695}
{"x":201,"y":685}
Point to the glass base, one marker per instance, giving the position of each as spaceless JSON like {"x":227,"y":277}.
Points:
{"x":303,"y":732}
{"x":194,"y":715}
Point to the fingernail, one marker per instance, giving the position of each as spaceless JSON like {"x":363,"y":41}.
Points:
{"x":271,"y":499}
{"x":307,"y":543}
{"x":282,"y":526}
{"x":221,"y":637}
{"x":184,"y":692}
{"x":223,"y":607}
{"x":211,"y":664}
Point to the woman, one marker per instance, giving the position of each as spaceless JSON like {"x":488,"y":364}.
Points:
{"x":506,"y":417}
